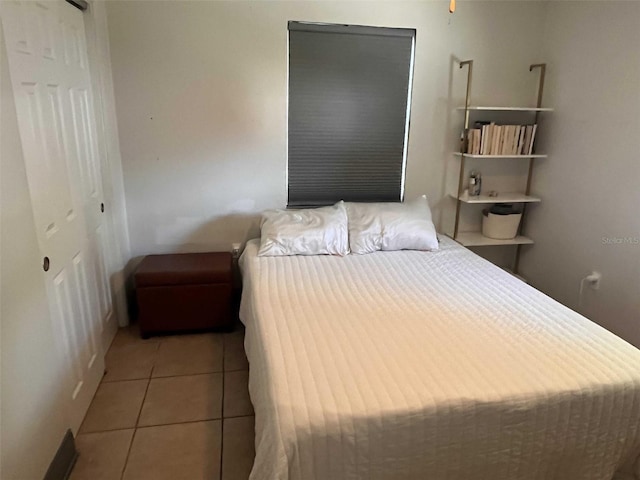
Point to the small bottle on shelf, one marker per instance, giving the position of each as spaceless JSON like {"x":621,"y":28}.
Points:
{"x":475,"y":184}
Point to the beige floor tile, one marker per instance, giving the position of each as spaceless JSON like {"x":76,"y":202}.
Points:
{"x":234,"y":354}
{"x":182,"y":399}
{"x":130,"y":362}
{"x":236,"y":394}
{"x":102,"y":455}
{"x":239,"y":451}
{"x":184,"y":451}
{"x":188,"y":355}
{"x":115,"y":406}
{"x":131,"y":335}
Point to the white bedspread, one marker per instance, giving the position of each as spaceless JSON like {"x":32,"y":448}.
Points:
{"x":430,"y":365}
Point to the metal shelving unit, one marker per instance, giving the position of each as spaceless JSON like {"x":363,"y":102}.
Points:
{"x":476,"y":239}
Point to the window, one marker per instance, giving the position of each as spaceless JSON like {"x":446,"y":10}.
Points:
{"x":349,"y":103}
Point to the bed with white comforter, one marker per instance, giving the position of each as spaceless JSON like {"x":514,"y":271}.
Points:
{"x":430,"y":365}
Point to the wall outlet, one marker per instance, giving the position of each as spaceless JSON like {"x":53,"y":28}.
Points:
{"x":235,"y":249}
{"x":593,"y":279}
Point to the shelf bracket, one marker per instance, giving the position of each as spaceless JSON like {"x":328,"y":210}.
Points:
{"x":543,"y":70}
{"x":467,"y":102}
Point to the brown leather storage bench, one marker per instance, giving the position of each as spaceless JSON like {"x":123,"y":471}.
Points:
{"x":190,"y":291}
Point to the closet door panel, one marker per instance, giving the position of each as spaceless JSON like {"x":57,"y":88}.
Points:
{"x":49,"y":73}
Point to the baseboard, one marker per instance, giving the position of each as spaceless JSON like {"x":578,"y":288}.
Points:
{"x":64,"y":460}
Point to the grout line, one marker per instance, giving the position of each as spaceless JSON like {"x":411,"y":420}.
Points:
{"x":127,"y":379}
{"x":203,"y":420}
{"x":106,"y":430}
{"x":211,"y":419}
{"x":155,"y":354}
{"x":239,"y":416}
{"x":84,"y":419}
{"x":109,"y":430}
{"x":187,"y":375}
{"x":246,"y":369}
{"x":126,"y":458}
{"x":146,"y":390}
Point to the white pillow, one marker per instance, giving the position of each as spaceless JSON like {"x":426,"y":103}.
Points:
{"x":312,"y":231}
{"x":391,"y":226}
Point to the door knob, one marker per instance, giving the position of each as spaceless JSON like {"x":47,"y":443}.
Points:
{"x":102,"y":207}
{"x":45,"y":264}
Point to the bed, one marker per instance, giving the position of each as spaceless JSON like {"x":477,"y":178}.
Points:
{"x":430,"y":365}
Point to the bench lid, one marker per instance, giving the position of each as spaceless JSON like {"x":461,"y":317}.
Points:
{"x":184,"y":269}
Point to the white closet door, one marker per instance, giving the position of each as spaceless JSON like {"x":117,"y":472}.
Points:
{"x":88,"y":155}
{"x":48,"y":65}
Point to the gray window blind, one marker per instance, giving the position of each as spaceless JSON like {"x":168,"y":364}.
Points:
{"x":349,"y":89}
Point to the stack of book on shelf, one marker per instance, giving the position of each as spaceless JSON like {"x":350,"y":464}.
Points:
{"x":491,"y":139}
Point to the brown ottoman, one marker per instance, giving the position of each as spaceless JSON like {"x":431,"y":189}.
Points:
{"x":178,"y":292}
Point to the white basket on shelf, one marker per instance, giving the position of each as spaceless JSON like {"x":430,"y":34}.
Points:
{"x":500,"y":227}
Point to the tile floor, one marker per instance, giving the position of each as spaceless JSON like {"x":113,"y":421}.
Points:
{"x":174,"y":408}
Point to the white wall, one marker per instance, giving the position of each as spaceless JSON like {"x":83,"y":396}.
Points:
{"x":201,"y":93}
{"x":31,"y":408}
{"x":590,"y":185}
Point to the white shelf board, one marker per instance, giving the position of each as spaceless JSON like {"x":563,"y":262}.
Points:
{"x":469,"y":155}
{"x":503,"y":197}
{"x":476,"y":239}
{"x":508,"y":109}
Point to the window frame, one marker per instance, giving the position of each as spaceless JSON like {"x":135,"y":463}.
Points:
{"x":355,"y":29}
